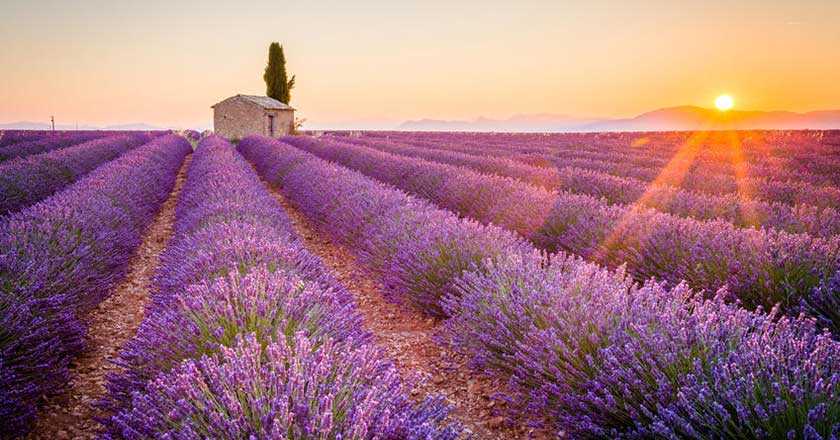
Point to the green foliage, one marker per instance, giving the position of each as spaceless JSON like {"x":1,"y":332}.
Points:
{"x":277,"y":83}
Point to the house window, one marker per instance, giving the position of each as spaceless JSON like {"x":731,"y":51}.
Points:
{"x":271,"y":125}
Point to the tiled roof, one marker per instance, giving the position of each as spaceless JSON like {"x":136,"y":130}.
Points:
{"x":263,"y":101}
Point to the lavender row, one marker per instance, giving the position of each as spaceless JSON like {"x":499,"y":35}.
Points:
{"x":761,"y":267}
{"x":9,"y":137}
{"x":822,"y":303}
{"x":797,"y":151}
{"x":727,"y":173}
{"x":601,"y":357}
{"x":26,"y":180}
{"x":586,"y":350}
{"x":681,"y":174}
{"x":248,"y":336}
{"x":416,"y":246}
{"x":805,"y":152}
{"x":742,"y":212}
{"x":50,"y":143}
{"x":726,"y":164}
{"x":733,"y":165}
{"x":59,"y":258}
{"x":788,"y":192}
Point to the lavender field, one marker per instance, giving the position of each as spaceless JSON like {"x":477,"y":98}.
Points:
{"x":420,"y":285}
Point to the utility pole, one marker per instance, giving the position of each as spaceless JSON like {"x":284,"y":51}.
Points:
{"x":52,"y":122}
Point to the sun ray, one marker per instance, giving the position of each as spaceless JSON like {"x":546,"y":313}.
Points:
{"x":673,"y":174}
{"x":740,"y":166}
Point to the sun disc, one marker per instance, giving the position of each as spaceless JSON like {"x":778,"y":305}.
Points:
{"x":724,"y":102}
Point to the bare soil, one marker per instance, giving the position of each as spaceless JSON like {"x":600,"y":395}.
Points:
{"x":111,"y":324}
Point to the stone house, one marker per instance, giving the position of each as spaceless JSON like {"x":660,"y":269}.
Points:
{"x":243,"y":115}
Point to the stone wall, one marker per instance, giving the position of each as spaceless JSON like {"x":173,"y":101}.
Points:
{"x":284,"y":121}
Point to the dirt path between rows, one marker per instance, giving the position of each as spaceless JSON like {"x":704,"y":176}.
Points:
{"x":71,"y":415}
{"x":408,"y":338}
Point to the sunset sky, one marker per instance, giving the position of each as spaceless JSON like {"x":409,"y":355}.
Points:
{"x":380,"y":62}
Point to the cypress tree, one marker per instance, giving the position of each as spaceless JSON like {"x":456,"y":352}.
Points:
{"x":277,"y":83}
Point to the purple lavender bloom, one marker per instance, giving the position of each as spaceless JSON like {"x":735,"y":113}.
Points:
{"x":418,"y":248}
{"x":731,"y":207}
{"x":586,"y":350}
{"x":235,"y":269}
{"x":27,"y":180}
{"x":203,"y":317}
{"x":59,"y":258}
{"x":41,"y":142}
{"x":11,"y":137}
{"x":287,"y":389}
{"x":801,"y":170}
{"x":824,"y":304}
{"x":600,"y":356}
{"x":760,"y":267}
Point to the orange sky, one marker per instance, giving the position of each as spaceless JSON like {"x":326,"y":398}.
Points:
{"x":380,"y":62}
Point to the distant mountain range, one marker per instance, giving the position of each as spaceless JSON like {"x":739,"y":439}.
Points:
{"x":672,"y":118}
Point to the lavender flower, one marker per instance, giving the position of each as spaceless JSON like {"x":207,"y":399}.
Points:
{"x":761,"y":267}
{"x":824,"y":304}
{"x":586,"y":350}
{"x":732,"y":207}
{"x":419,"y":249}
{"x":235,"y":269}
{"x":22,"y":144}
{"x":27,"y":180}
{"x":59,"y":258}
{"x":600,"y":356}
{"x":287,"y":389}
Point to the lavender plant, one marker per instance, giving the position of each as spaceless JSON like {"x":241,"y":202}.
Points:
{"x":732,"y":207}
{"x":417,"y":247}
{"x":760,"y":267}
{"x":603,"y":357}
{"x":771,"y":182}
{"x":780,"y":155}
{"x":588,"y":351}
{"x":10,"y":137}
{"x":27,"y":180}
{"x":249,"y":335}
{"x":282,"y":390}
{"x":42,"y":142}
{"x":824,"y":304}
{"x":59,"y":258}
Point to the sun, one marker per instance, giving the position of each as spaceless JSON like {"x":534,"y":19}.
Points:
{"x":724,"y":102}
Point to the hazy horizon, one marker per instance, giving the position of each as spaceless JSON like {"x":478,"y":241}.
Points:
{"x":376,"y":63}
{"x":478,"y":123}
